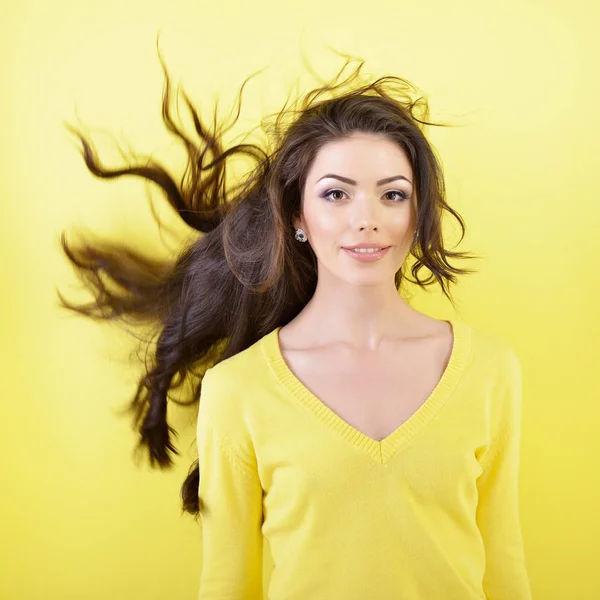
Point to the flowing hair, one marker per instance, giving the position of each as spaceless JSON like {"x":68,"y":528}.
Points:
{"x":246,"y":274}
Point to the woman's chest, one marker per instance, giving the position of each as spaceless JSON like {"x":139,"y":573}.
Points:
{"x":375,"y":394}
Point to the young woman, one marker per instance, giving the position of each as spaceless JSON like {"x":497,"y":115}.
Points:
{"x":374,"y":447}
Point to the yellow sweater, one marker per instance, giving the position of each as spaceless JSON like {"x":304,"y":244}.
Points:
{"x":429,"y":513}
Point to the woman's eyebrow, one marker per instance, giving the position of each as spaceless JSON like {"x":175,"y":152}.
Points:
{"x":352,"y":182}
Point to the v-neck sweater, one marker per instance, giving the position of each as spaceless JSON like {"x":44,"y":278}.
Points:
{"x":430,"y":512}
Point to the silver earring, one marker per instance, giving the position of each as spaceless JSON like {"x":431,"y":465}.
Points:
{"x":300,"y":235}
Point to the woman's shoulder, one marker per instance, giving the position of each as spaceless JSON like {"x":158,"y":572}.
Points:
{"x":493,"y":344}
{"x":240,"y":369}
{"x":495,"y":358}
{"x":233,"y":391}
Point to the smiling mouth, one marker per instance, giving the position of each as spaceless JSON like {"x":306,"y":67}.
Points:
{"x":366,"y":255}
{"x":366,"y":250}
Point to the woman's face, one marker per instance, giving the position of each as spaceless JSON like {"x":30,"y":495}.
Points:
{"x":337,"y":214}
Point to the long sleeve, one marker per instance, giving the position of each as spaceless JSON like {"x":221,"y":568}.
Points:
{"x":498,"y":506}
{"x":230,"y":497}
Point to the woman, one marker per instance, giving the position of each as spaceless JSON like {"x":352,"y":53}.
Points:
{"x":374,"y":447}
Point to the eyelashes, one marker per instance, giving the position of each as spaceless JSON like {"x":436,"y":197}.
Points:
{"x":402,"y":195}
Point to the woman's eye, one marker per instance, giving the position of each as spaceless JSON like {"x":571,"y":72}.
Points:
{"x":328,"y":195}
{"x":402,"y":195}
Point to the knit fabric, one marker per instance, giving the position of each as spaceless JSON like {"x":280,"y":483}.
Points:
{"x":431,"y":512}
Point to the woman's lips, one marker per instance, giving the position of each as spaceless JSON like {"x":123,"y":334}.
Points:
{"x":366,"y":256}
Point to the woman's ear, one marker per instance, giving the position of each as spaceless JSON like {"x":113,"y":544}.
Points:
{"x":297,"y":222}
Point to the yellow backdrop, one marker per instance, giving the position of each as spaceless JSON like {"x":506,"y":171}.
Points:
{"x":79,"y":518}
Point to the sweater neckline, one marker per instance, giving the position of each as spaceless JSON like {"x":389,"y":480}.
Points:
{"x":379,"y":450}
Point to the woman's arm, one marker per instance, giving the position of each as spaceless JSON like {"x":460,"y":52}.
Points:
{"x":230,"y":496}
{"x":498,"y":507}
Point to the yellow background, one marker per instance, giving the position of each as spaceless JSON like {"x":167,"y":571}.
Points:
{"x":79,"y":518}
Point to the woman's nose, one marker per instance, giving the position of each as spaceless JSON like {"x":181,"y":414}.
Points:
{"x":366,"y":213}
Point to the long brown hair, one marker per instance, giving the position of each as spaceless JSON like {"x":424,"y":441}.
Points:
{"x":246,"y":275}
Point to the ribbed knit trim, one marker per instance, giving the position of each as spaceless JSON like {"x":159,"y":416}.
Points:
{"x":380,"y":451}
